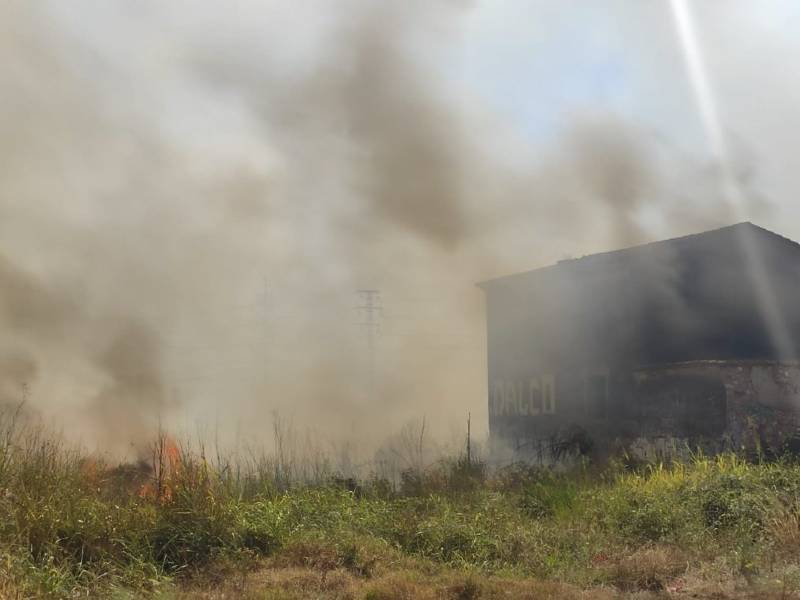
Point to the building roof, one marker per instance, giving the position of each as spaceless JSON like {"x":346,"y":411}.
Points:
{"x":698,"y":242}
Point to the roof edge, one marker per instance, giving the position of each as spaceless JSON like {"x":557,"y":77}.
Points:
{"x":489,"y":283}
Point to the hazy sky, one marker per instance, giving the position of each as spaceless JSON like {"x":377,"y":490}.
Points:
{"x":542,"y":63}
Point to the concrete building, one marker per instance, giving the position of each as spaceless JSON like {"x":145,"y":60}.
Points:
{"x":657,"y":349}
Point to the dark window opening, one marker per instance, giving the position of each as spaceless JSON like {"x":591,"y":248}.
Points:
{"x":596,"y":395}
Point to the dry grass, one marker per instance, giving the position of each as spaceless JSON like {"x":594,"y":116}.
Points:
{"x":785,"y":532}
{"x":8,"y":589}
{"x":653,"y":568}
{"x":302,"y":583}
{"x":291,"y":583}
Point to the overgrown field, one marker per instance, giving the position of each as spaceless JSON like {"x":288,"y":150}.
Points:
{"x":184,"y":528}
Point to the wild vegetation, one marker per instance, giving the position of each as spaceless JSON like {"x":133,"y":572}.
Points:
{"x":186,"y":526}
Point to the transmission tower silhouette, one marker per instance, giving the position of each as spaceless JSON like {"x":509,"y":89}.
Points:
{"x":370,"y":310}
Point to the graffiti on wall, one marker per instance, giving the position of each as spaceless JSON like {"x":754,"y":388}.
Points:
{"x":531,"y":398}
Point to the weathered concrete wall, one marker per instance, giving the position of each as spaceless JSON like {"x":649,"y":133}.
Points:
{"x":758,"y":409}
{"x":654,"y":412}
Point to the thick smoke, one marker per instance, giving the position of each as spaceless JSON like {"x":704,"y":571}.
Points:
{"x":617,"y":177}
{"x":189,"y":204}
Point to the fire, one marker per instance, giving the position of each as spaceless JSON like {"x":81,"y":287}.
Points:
{"x":92,"y":470}
{"x":147,"y":490}
{"x":171,"y":452}
{"x":166,"y":467}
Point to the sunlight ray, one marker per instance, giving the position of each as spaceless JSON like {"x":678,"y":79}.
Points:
{"x":703,"y":93}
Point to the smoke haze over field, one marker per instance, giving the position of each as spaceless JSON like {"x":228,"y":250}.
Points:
{"x":191,"y":197}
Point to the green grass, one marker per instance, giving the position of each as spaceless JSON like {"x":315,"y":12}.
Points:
{"x":71,"y":526}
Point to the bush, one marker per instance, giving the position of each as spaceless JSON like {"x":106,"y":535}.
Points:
{"x":548,"y":496}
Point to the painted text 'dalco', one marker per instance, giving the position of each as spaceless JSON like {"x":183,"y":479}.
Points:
{"x":535,"y":397}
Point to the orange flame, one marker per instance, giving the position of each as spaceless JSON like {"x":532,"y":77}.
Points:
{"x":166,"y":465}
{"x":172,"y":453}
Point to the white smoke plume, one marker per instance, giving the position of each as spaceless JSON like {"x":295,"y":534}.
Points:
{"x":191,"y":196}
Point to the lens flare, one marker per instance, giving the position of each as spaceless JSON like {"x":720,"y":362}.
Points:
{"x":733,"y":194}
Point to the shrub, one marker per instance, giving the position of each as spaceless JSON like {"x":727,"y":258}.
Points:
{"x":548,"y":496}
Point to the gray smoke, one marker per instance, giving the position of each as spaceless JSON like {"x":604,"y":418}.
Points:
{"x":189,"y":203}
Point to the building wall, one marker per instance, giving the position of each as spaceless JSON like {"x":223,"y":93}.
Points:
{"x":651,"y":412}
{"x":762,"y":402}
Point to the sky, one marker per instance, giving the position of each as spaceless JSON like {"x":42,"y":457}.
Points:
{"x":541,"y":64}
{"x":194,"y":194}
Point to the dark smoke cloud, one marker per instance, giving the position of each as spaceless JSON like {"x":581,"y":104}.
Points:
{"x":134,"y":397}
{"x":367,"y":95}
{"x":26,"y":305}
{"x":411,"y":144}
{"x":617,"y":174}
{"x":39,"y":322}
